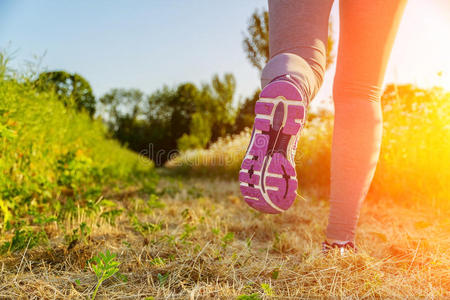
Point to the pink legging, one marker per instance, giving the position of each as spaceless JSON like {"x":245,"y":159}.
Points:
{"x":298,"y":32}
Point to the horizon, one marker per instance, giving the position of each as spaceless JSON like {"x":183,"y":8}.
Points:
{"x":146,"y":57}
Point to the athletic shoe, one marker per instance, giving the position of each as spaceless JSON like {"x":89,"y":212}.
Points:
{"x":268,"y":179}
{"x":344,"y":249}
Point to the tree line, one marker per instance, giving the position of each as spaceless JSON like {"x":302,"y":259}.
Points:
{"x":182,"y":117}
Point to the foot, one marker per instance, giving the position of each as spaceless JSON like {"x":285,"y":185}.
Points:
{"x":343,"y":247}
{"x":268,"y":179}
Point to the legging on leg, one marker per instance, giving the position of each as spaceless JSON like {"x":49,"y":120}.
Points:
{"x":298,"y":34}
{"x":367,"y":32}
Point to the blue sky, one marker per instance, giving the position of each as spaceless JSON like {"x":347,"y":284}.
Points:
{"x":146,"y":44}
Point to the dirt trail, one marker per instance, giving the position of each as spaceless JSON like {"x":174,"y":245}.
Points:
{"x":200,"y":241}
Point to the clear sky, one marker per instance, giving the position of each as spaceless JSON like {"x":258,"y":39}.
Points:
{"x":146,"y":44}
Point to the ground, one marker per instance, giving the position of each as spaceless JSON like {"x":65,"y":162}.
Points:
{"x":199,"y":240}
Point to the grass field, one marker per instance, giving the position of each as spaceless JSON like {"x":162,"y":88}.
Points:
{"x":198,"y":240}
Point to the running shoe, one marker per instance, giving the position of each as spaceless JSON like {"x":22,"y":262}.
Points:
{"x":268,"y":179}
{"x":344,"y":249}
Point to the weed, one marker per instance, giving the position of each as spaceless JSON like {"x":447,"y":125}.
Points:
{"x":275,"y":273}
{"x":195,"y":192}
{"x":145,"y":227}
{"x":153,"y":202}
{"x":267,"y":289}
{"x":227,"y":239}
{"x":253,"y":296}
{"x":23,"y":238}
{"x":104,"y":266}
{"x":111,"y":215}
{"x":79,"y":234}
{"x":162,"y":278}
{"x":158,"y":261}
{"x":188,"y":230}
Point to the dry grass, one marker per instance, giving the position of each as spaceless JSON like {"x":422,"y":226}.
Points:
{"x":210,"y":245}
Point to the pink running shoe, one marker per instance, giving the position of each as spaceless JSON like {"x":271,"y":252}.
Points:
{"x":268,"y":179}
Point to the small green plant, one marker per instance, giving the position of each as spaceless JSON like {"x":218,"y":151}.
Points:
{"x":267,"y":289}
{"x":41,"y":219}
{"x":248,"y":242}
{"x":170,"y":239}
{"x":253,"y":296}
{"x":195,"y":192}
{"x":186,"y":213}
{"x":23,"y":238}
{"x":162,"y":278}
{"x":275,"y":273}
{"x":110,"y":216}
{"x":188,"y":230}
{"x":227,"y":239}
{"x":171,"y":190}
{"x":187,"y":233}
{"x":79,"y":234}
{"x":158,"y":261}
{"x":145,"y":227}
{"x":153,"y":202}
{"x":104,"y":267}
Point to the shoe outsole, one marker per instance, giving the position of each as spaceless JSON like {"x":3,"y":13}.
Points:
{"x":268,"y":179}
{"x":343,"y":249}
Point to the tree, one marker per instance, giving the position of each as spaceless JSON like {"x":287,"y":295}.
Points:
{"x":212,"y":115}
{"x":245,"y":115}
{"x":121,"y":103}
{"x":173,"y":109}
{"x":221,"y":110}
{"x":171,"y":118}
{"x":125,"y":116}
{"x":256,"y":42}
{"x":69,"y":87}
{"x":199,"y":133}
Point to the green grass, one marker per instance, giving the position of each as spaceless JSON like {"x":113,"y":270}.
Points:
{"x":54,"y":163}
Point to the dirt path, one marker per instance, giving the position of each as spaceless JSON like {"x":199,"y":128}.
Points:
{"x":199,"y":240}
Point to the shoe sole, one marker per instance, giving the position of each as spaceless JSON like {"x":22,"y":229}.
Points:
{"x":268,"y":179}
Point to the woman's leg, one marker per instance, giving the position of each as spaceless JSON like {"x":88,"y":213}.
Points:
{"x":298,"y":34}
{"x":367,"y":32}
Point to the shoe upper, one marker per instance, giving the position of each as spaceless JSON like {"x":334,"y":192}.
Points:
{"x":343,"y":248}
